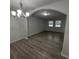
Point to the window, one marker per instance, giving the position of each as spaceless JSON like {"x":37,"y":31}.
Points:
{"x":58,"y":23}
{"x":50,"y":23}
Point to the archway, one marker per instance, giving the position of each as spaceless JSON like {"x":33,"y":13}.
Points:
{"x":47,"y":24}
{"x":49,"y":15}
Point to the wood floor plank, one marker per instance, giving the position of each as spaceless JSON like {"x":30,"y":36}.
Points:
{"x":18,"y":53}
{"x":45,"y":45}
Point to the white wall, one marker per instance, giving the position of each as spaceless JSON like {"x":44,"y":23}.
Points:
{"x":36,"y":25}
{"x":65,"y":51}
{"x":62,"y":6}
{"x":18,"y":28}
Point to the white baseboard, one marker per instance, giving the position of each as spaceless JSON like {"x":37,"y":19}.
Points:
{"x":26,"y":38}
{"x":18,"y":39}
{"x":14,"y":40}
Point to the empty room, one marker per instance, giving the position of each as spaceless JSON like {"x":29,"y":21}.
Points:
{"x":39,"y":29}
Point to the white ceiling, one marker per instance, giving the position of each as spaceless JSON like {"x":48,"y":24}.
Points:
{"x":30,"y":4}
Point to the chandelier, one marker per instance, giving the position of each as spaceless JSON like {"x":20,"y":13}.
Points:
{"x":19,"y":12}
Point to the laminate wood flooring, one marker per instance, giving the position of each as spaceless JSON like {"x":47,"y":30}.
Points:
{"x":44,"y":45}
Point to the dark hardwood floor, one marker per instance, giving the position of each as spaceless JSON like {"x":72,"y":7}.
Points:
{"x":45,"y":45}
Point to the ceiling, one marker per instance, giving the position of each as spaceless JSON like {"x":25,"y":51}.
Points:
{"x":30,"y":4}
{"x":53,"y":14}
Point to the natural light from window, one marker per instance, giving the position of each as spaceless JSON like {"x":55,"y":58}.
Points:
{"x":50,"y":23}
{"x":58,"y":23}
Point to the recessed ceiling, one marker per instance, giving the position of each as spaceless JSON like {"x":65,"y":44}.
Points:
{"x":52,"y":14}
{"x":30,"y":4}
